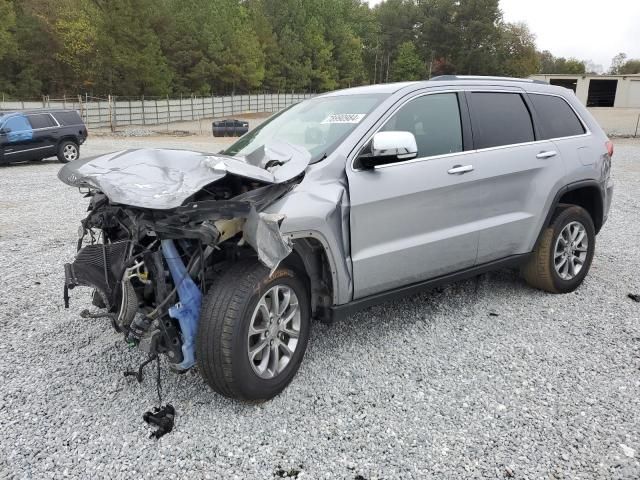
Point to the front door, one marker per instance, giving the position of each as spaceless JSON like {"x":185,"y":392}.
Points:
{"x":17,"y":138}
{"x":415,"y":220}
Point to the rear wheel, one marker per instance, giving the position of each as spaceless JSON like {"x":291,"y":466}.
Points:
{"x":563,"y":256}
{"x":253,"y":331}
{"x":68,"y":151}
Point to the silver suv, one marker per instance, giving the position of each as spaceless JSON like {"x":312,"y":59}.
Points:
{"x":332,"y":205}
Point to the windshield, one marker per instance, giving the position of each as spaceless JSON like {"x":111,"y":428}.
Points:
{"x":318,"y":124}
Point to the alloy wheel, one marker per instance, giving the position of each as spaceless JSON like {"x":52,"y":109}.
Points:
{"x":70,"y":152}
{"x":274,"y":331}
{"x":570,"y":252}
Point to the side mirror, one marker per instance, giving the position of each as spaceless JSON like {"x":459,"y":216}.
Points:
{"x":389,"y":147}
{"x":4,"y":130}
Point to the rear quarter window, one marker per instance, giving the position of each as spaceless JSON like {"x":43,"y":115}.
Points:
{"x":557,"y":118}
{"x":499,"y":119}
{"x":68,"y":118}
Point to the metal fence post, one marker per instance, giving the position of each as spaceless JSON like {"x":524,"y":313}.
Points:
{"x":168,"y":112}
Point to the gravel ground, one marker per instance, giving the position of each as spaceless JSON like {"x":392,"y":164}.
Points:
{"x":485,"y":378}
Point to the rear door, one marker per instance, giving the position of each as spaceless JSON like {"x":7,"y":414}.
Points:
{"x":45,"y":135}
{"x":518,"y":173}
{"x":415,"y":220}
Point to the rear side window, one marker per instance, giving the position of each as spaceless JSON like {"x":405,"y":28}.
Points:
{"x":557,"y":117}
{"x":435,"y":122}
{"x":41,"y":120}
{"x":68,"y":118}
{"x":499,"y":119}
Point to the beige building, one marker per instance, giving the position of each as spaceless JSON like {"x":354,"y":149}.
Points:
{"x":619,"y":91}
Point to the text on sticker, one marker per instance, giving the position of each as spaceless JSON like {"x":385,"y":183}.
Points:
{"x":344,"y":118}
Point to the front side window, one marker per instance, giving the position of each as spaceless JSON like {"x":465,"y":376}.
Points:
{"x":557,"y":117}
{"x":435,"y":122}
{"x":319,"y":124}
{"x":17,"y":124}
{"x":499,"y":119}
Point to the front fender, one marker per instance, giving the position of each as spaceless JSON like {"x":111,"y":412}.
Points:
{"x":321,"y":214}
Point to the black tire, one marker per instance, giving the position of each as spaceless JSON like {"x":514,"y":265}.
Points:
{"x":540,"y":271}
{"x":65,"y":148}
{"x":222,"y":342}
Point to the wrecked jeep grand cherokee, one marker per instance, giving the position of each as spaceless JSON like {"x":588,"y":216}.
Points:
{"x":332,"y":205}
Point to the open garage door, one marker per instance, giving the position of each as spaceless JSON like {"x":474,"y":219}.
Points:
{"x":602,"y":93}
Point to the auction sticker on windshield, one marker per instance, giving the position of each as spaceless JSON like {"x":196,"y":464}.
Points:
{"x":344,"y":118}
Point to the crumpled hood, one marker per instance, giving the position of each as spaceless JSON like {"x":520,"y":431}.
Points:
{"x":163,"y":178}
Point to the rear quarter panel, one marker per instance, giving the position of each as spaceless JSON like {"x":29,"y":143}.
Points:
{"x":585,"y":156}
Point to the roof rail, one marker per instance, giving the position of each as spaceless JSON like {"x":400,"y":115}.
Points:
{"x":481,"y":77}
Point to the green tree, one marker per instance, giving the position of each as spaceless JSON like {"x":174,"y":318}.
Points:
{"x":7,"y":25}
{"x":130,"y":60}
{"x":573,"y":66}
{"x":546,"y":61}
{"x":517,"y":56}
{"x":551,"y":64}
{"x":621,"y":66}
{"x":463,"y":35}
{"x":617,"y":62}
{"x":407,"y":65}
{"x":397,"y":20}
{"x":630,"y":67}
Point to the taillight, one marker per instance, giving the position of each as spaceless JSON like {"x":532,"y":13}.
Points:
{"x":609,"y":145}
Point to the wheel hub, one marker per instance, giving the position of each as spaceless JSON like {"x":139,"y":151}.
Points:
{"x":571,"y":250}
{"x":274,"y":331}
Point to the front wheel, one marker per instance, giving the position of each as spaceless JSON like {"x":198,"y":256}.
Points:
{"x":253,"y":331}
{"x":563,"y":256}
{"x":68,"y":151}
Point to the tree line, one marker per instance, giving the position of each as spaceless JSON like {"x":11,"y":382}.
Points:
{"x":173,"y":47}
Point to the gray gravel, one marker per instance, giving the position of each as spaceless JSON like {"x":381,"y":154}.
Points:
{"x":433,"y":386}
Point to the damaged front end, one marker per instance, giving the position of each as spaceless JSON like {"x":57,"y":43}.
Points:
{"x":161,"y":227}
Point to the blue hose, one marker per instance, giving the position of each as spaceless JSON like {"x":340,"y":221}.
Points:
{"x":187,"y":310}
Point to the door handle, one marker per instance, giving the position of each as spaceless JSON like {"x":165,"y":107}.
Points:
{"x":459,"y":169}
{"x":547,"y":154}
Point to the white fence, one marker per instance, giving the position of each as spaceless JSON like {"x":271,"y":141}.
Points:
{"x":117,"y":112}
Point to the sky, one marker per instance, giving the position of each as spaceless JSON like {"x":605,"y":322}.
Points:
{"x":594,"y":30}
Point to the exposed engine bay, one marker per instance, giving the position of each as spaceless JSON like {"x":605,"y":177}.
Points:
{"x":163,"y":224}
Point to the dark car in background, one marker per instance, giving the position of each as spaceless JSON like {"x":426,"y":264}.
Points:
{"x":229,"y":128}
{"x":40,"y":134}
